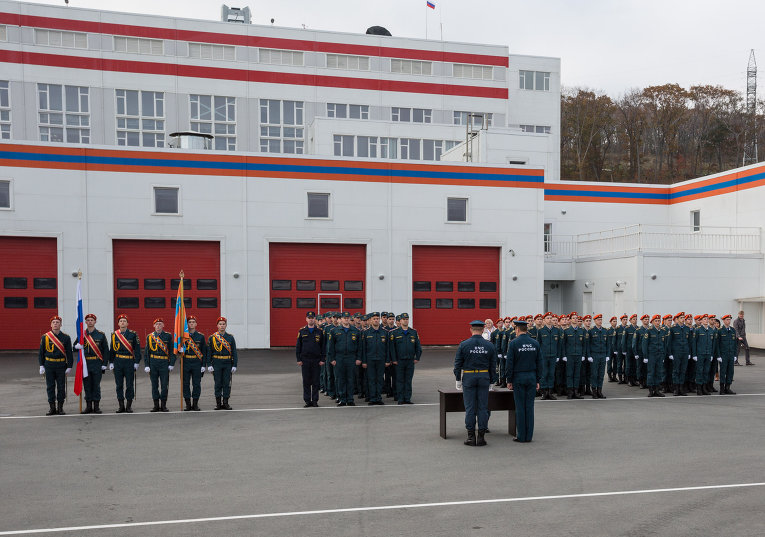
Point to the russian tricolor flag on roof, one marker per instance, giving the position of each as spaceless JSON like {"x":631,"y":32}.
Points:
{"x":431,"y":5}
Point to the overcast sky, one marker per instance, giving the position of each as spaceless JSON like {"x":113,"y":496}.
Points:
{"x":608,"y":45}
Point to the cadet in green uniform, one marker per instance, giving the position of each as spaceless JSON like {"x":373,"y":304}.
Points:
{"x":704,"y":347}
{"x":194,"y":357}
{"x":405,"y":351}
{"x":584,"y":377}
{"x":620,"y":350}
{"x":727,"y":347}
{"x":690,"y":374}
{"x":630,"y":365}
{"x":375,"y":358}
{"x":653,"y":350}
{"x":222,"y":360}
{"x":549,"y":339}
{"x":309,"y":351}
{"x":714,"y":324}
{"x":599,"y":346}
{"x":124,"y":357}
{"x":55,"y":358}
{"x":329,"y":369}
{"x":560,"y":365}
{"x":574,"y":350}
{"x":343,"y":351}
{"x":641,"y":365}
{"x":474,"y":369}
{"x":523,"y":368}
{"x":159,"y":360}
{"x":679,"y":353}
{"x":96,"y":357}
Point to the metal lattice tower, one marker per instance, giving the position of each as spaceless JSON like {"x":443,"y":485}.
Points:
{"x":750,"y":134}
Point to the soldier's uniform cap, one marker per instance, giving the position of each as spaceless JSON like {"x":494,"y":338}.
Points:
{"x":191,"y":318}
{"x":345,"y":315}
{"x":512,"y":319}
{"x":404,"y":315}
{"x":310,"y":315}
{"x":703,"y":315}
{"x":681,"y":314}
{"x":711,"y":315}
{"x":91,"y":316}
{"x":667,"y":316}
{"x":121,"y":316}
{"x":158,"y":320}
{"x":573,"y":314}
{"x":336,"y":314}
{"x":383,"y":314}
{"x":219,"y":319}
{"x":357,"y":315}
{"x":499,"y":321}
{"x":623,"y":317}
{"x":549,"y":314}
{"x":655,"y":317}
{"x":538,"y":316}
{"x":599,"y":316}
{"x":613,"y":319}
{"x":727,"y":316}
{"x":645,"y":316}
{"x":520,"y":322}
{"x":633,"y":316}
{"x":477,"y":324}
{"x":55,"y":318}
{"x":587,"y":317}
{"x":507,"y":319}
{"x":688,"y":316}
{"x":398,"y":317}
{"x":374,"y":314}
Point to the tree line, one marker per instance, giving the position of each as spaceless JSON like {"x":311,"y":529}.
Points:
{"x":658,"y":134}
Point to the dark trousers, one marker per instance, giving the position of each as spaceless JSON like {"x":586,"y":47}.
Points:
{"x":310,"y":372}
{"x":586,"y":372}
{"x":573,"y":371}
{"x":124,"y":373}
{"x":712,"y":370}
{"x":524,"y":391}
{"x":560,"y":373}
{"x":375,"y":376}
{"x":160,"y":378}
{"x":404,"y":376}
{"x":322,"y":377}
{"x":222,"y":377}
{"x":655,"y":370}
{"x":618,"y":360}
{"x":192,"y":371}
{"x":745,"y":345}
{"x":597,"y":370}
{"x":92,"y":383}
{"x":726,"y":371}
{"x":702,"y":369}
{"x":55,"y":381}
{"x":345,"y":369}
{"x":630,"y":366}
{"x":389,"y":384}
{"x":329,"y":381}
{"x":548,"y":372}
{"x":475,"y":395}
{"x":679,"y":368}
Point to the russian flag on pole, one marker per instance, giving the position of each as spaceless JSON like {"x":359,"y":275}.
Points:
{"x":81,"y":370}
{"x":431,"y":5}
{"x":181,"y":328}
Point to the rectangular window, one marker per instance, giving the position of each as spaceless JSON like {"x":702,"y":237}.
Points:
{"x":343,"y":145}
{"x":305,"y":303}
{"x":44,"y":283}
{"x":411,"y":67}
{"x":353,"y":285}
{"x":5,"y":110}
{"x":444,"y":303}
{"x":154,"y":284}
{"x":413,"y":115}
{"x":534,"y":80}
{"x":330,"y":285}
{"x":487,"y":287}
{"x":46,"y":302}
{"x":58,"y":38}
{"x":432,"y":149}
{"x":127,"y":283}
{"x":487,"y":303}
{"x":207,"y":302}
{"x":466,"y":303}
{"x":140,"y":118}
{"x":281,"y":57}
{"x":5,"y":194}
{"x":366,"y":146}
{"x":547,"y":237}
{"x":208,"y":51}
{"x":175,"y":282}
{"x":305,"y":285}
{"x":139,"y":45}
{"x":279,"y":302}
{"x":352,"y":111}
{"x":456,"y":209}
{"x":410,"y":149}
{"x":461,"y":118}
{"x":281,"y":285}
{"x":64,"y":113}
{"x":337,"y":110}
{"x":421,"y":303}
{"x":15,"y":302}
{"x":542,"y":129}
{"x":281,"y":126}
{"x":14,"y":283}
{"x":127,"y":302}
{"x":466,"y":287}
{"x":478,"y":72}
{"x":389,"y":148}
{"x":353,"y":303}
{"x":351,"y":63}
{"x":329,"y":303}
{"x":318,"y":205}
{"x":696,"y":221}
{"x":421,"y":287}
{"x":444,"y":287}
{"x":216,"y":115}
{"x":154,"y":302}
{"x":207,"y":284}
{"x":165,"y":200}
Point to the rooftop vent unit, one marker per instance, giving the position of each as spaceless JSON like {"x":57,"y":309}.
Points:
{"x":190,"y":140}
{"x":235,"y":14}
{"x":377,"y":30}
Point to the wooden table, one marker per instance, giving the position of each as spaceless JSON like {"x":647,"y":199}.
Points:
{"x":450,"y":400}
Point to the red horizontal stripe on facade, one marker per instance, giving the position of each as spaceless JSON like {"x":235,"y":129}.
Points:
{"x":250,"y":41}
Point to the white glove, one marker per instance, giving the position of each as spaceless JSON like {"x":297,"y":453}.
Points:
{"x":624,"y":353}
{"x":203,"y":369}
{"x":689,"y":356}
{"x":146,"y":369}
{"x":607,"y":358}
{"x":719,"y":359}
{"x":589,"y":359}
{"x":491,"y":387}
{"x":42,"y":369}
{"x":711,"y":359}
{"x":233,"y":369}
{"x":499,"y":356}
{"x":695,"y":358}
{"x":557,"y":360}
{"x":103,"y":368}
{"x":583,"y":358}
{"x":645,"y":360}
{"x":459,"y":385}
{"x":671,"y":357}
{"x":78,"y":346}
{"x":565,"y":359}
{"x":169,"y":368}
{"x":111,"y":367}
{"x":135,"y":367}
{"x":210,"y":369}
{"x":68,"y":370}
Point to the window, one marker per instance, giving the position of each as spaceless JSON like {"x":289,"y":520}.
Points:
{"x":421,"y":287}
{"x":281,"y":57}
{"x":15,"y":302}
{"x":352,"y":111}
{"x":207,"y":302}
{"x":432,"y":149}
{"x":208,"y":51}
{"x":534,"y":80}
{"x":212,"y":114}
{"x":539,"y":129}
{"x":45,"y":283}
{"x":411,"y":67}
{"x":305,"y":303}
{"x":57,"y":38}
{"x":466,"y":287}
{"x":344,"y":61}
{"x":353,"y":285}
{"x":305,"y":285}
{"x":421,"y":303}
{"x":329,"y":303}
{"x":318,"y":205}
{"x":277,"y":302}
{"x":175,"y":282}
{"x":456,"y":209}
{"x":461,"y":118}
{"x":479,"y":72}
{"x":139,"y":45}
{"x":487,"y":303}
{"x":46,"y":302}
{"x":154,"y":302}
{"x":207,"y":284}
{"x":466,"y":303}
{"x":3,"y":32}
{"x":330,"y":285}
{"x":127,"y":302}
{"x":154,"y":284}
{"x":5,"y":110}
{"x":444,"y":303}
{"x":487,"y":287}
{"x":414,"y":115}
{"x":281,"y":285}
{"x":366,"y":146}
{"x":410,"y":148}
{"x":547,"y":234}
{"x":14,"y":283}
{"x":166,"y":200}
{"x":388,"y":147}
{"x":5,"y":194}
{"x":140,"y":118}
{"x":444,"y":287}
{"x":696,"y":221}
{"x":64,"y":113}
{"x":353,"y":303}
{"x":281,"y":126}
{"x":127,"y":283}
{"x":343,"y":145}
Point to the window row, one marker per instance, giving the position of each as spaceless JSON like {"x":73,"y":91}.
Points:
{"x":22,"y":302}
{"x":5,"y":110}
{"x":15,"y":282}
{"x":448,"y":303}
{"x":325,"y":303}
{"x":157,"y":284}
{"x":539,"y":129}
{"x":534,"y":80}
{"x":324,"y":285}
{"x":160,"y":302}
{"x":448,"y":287}
{"x":392,"y":148}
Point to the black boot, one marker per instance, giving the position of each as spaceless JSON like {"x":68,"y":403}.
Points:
{"x":677,"y":390}
{"x":550,"y":395}
{"x":711,"y":387}
{"x":195,"y":404}
{"x":657,"y":392}
{"x":52,"y":411}
{"x":650,"y":391}
{"x":587,"y":389}
{"x":88,"y":407}
{"x":60,"y":410}
{"x":722,"y":390}
{"x":621,"y":380}
{"x":163,"y":408}
{"x":594,"y":393}
{"x":480,"y":441}
{"x":470,"y":438}
{"x":545,"y":394}
{"x":188,"y":404}
{"x":704,"y":390}
{"x":217,"y":404}
{"x":156,"y":406}
{"x":96,"y":409}
{"x":728,"y":390}
{"x":121,"y":409}
{"x":225,"y":404}
{"x":698,"y":390}
{"x":129,"y":407}
{"x":570,"y":394}
{"x":577,"y":395}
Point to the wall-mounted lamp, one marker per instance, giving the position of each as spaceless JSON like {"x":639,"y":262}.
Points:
{"x":515,"y":277}
{"x":563,"y":211}
{"x":589,"y":284}
{"x":381,"y":276}
{"x":653,"y":276}
{"x":620,"y":283}
{"x":511,"y":252}
{"x":236,"y":274}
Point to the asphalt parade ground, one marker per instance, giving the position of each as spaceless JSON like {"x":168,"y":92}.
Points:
{"x":625,"y":466}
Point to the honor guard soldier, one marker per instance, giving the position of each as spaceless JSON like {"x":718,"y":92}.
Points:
{"x":599,"y":355}
{"x":194,"y":357}
{"x":55,"y":358}
{"x":654,"y":348}
{"x":329,"y":371}
{"x":611,"y":336}
{"x":343,"y":351}
{"x":727,"y":347}
{"x":222,"y":359}
{"x":475,"y":370}
{"x":584,"y":377}
{"x":523,"y":368}
{"x":375,"y":358}
{"x":691,"y":323}
{"x":159,"y":360}
{"x":389,"y":385}
{"x":96,"y":354}
{"x":573,"y":350}
{"x":549,"y":339}
{"x":679,"y":353}
{"x":714,"y":324}
{"x":620,"y":354}
{"x":405,"y":350}
{"x":704,"y":347}
{"x":630,"y":366}
{"x":124,"y":357}
{"x":309,"y":350}
{"x":642,"y":367}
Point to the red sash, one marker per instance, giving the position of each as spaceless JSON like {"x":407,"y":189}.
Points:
{"x":53,"y":339}
{"x":193,"y":346}
{"x":159,"y":342}
{"x":124,"y":341}
{"x":222,"y":341}
{"x":92,"y":344}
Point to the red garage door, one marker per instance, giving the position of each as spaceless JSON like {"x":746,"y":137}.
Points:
{"x":29,"y":291}
{"x":451,"y":286}
{"x":146,"y":282}
{"x":318,"y":277}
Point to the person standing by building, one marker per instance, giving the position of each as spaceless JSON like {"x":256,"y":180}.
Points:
{"x":679,"y":353}
{"x":599,"y":345}
{"x":222,"y":360}
{"x":573,"y":350}
{"x":96,"y":354}
{"x":727,"y":346}
{"x":703,"y":351}
{"x":549,"y":339}
{"x":329,"y":369}
{"x":406,"y":350}
{"x":375,"y":358}
{"x":475,"y":369}
{"x":739,"y":325}
{"x":523,"y":369}
{"x":309,"y":350}
{"x":159,"y":360}
{"x":194,"y":357}
{"x":653,"y":350}
{"x":343,"y":351}
{"x":488,"y":328}
{"x":124,"y":357}
{"x":56,"y":360}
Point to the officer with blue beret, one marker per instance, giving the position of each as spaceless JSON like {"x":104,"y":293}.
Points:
{"x":523,"y":372}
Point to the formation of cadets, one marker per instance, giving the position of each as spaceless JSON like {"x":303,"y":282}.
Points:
{"x":344,"y":355}
{"x":121,"y":354}
{"x":664,"y":354}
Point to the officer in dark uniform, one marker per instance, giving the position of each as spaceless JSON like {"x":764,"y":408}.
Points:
{"x":475,"y":370}
{"x":222,"y":360}
{"x":620,"y":354}
{"x":329,"y":370}
{"x":679,"y":353}
{"x":598,"y":356}
{"x":343,"y":351}
{"x":375,"y":358}
{"x":309,"y":350}
{"x":654,"y":348}
{"x":359,"y":375}
{"x":159,"y":360}
{"x":405,"y":351}
{"x":523,"y":371}
{"x":640,"y":363}
{"x":727,"y":353}
{"x":574,"y":349}
{"x":549,"y":339}
{"x":704,"y":347}
{"x":630,"y":366}
{"x":124,"y":357}
{"x":323,"y":366}
{"x":56,"y":360}
{"x":96,"y":357}
{"x":194,"y":358}
{"x":388,"y":322}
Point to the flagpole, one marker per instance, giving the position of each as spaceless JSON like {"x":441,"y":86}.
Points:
{"x":175,"y":335}
{"x":79,"y":352}
{"x":426,"y":21}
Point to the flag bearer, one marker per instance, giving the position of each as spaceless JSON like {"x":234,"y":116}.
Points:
{"x":159,"y":360}
{"x":405,"y":350}
{"x":96,"y":355}
{"x":124,"y":357}
{"x":194,"y":356}
{"x":222,"y":359}
{"x":727,"y":345}
{"x":56,"y":360}
{"x":375,"y":358}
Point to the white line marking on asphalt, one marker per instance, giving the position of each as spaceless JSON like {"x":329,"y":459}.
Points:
{"x":376,"y":508}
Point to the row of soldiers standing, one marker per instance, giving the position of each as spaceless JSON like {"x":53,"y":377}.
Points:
{"x":677,"y":354}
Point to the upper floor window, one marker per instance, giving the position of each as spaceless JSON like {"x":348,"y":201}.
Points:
{"x":208,"y":51}
{"x":3,"y":32}
{"x":281,"y":126}
{"x":64,"y":113}
{"x":411,"y":67}
{"x":461,"y":118}
{"x":345,"y":61}
{"x":456,"y":209}
{"x":696,"y":221}
{"x":534,"y":80}
{"x":139,"y":45}
{"x":5,"y":194}
{"x":318,"y":205}
{"x":352,"y":111}
{"x":281,"y":57}
{"x":166,"y":200}
{"x":140,"y":118}
{"x":216,"y":115}
{"x":538,"y":129}
{"x":58,"y":38}
{"x":479,"y":72}
{"x":5,"y":110}
{"x":414,"y":115}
